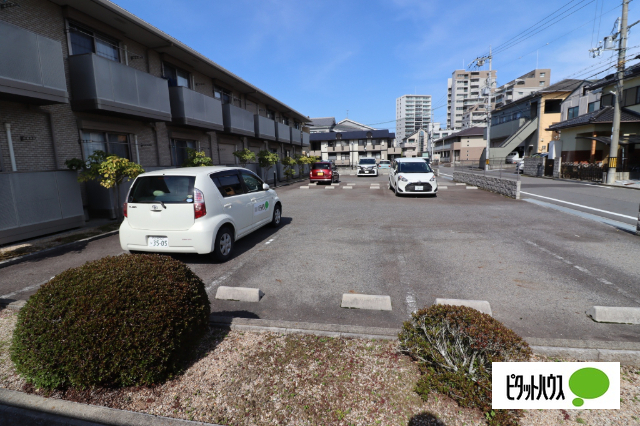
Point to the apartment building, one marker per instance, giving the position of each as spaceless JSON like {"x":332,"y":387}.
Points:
{"x":419,"y":143}
{"x":346,"y":148}
{"x":413,"y":112}
{"x":465,"y":145}
{"x":86,"y":75}
{"x":521,"y":87}
{"x":464,"y":90}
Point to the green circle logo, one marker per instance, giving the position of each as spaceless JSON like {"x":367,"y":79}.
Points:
{"x":266,"y":205}
{"x":588,"y":383}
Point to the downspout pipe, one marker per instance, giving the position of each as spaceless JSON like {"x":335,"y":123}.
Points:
{"x":7,"y":128}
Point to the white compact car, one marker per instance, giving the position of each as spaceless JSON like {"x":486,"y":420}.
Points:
{"x":412,"y":176}
{"x":367,"y":167}
{"x":196,"y":210}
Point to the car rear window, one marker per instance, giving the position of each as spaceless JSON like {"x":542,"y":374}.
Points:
{"x":168,"y":189}
{"x":367,"y":161}
{"x":385,"y":162}
{"x":323,"y":166}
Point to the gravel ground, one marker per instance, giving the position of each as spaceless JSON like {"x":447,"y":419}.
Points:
{"x":263,"y":378}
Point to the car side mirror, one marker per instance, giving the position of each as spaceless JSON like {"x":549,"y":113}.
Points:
{"x":265,"y":186}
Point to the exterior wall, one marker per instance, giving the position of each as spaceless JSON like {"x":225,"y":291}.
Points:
{"x":581,"y":101}
{"x":534,"y":166}
{"x":522,"y":86}
{"x":465,"y":91}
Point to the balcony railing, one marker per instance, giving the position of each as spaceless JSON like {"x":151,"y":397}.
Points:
{"x":238,"y":120}
{"x":305,"y":139}
{"x":191,"y":108}
{"x":265,"y":128}
{"x":283,"y":134}
{"x":315,"y":153}
{"x":394,"y":151}
{"x":31,"y":67}
{"x":99,"y":84}
{"x":296,"y":136}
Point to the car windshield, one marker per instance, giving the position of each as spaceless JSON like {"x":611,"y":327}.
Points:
{"x":414,"y":167}
{"x":323,"y":166}
{"x":367,"y":161}
{"x":385,"y":162}
{"x":168,"y":189}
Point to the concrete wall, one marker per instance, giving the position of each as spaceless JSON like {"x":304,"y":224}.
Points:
{"x":534,"y":166}
{"x":506,"y":187}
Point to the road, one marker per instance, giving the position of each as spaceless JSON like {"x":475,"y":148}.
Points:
{"x":539,"y":268}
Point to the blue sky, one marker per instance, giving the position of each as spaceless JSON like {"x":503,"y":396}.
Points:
{"x":323,"y":58}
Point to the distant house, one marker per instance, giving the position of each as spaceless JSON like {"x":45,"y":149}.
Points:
{"x":346,"y":148}
{"x":328,"y":124}
{"x":465,"y":145}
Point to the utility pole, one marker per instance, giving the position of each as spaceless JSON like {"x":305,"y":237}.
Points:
{"x":615,"y":131}
{"x":486,"y":165}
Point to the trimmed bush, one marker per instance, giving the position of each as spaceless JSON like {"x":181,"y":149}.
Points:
{"x":118,"y":321}
{"x":455,"y":346}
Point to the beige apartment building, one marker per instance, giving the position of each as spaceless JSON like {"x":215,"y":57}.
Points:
{"x":464,"y":90}
{"x":465,"y":145}
{"x":77,"y":76}
{"x":521,"y":87}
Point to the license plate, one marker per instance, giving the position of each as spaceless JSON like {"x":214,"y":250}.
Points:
{"x":158,"y":242}
{"x":320,"y":173}
{"x":419,"y":188}
{"x":367,"y":171}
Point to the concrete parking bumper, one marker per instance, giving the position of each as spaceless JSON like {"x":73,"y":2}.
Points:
{"x":615,"y":314}
{"x":479,"y":305}
{"x":240,"y":294}
{"x":366,"y":301}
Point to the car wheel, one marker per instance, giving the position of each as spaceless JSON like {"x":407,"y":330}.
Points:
{"x":277,"y":216}
{"x":223,"y":244}
{"x":395,"y":191}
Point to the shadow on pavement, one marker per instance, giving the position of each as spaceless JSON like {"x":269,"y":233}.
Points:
{"x":233,"y":314}
{"x":425,"y":419}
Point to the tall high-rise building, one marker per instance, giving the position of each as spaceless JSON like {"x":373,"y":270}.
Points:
{"x":465,"y":90}
{"x":413,"y":112}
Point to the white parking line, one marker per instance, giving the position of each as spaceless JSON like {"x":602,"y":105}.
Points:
{"x":580,"y":205}
{"x":269,"y":242}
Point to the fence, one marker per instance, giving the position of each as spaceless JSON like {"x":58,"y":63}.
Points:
{"x":497,"y":167}
{"x":588,"y":172}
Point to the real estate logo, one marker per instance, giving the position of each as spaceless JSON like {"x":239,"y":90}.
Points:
{"x":260,"y":207}
{"x":555,"y":385}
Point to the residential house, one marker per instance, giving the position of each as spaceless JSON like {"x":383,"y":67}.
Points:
{"x":87,"y":75}
{"x":328,"y":124}
{"x":346,"y":148}
{"x":585,"y":131}
{"x":522,"y":125}
{"x":465,"y":145}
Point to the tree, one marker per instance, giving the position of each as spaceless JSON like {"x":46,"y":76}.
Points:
{"x":288,"y":164}
{"x":267,"y":160}
{"x":301,"y":160}
{"x":244,"y":156}
{"x":110,"y":171}
{"x":197,"y":159}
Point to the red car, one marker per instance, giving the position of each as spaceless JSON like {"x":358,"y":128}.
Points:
{"x":323,"y":171}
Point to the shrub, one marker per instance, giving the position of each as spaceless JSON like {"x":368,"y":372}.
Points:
{"x":455,"y":347}
{"x":118,"y":321}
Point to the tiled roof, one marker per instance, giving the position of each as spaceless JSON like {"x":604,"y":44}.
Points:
{"x":471,"y":131}
{"x":632,"y":71}
{"x":604,"y":115}
{"x":566,"y":85}
{"x":360,"y":134}
{"x":323,"y":121}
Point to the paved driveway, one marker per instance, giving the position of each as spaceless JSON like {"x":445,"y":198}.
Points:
{"x":539,"y":268}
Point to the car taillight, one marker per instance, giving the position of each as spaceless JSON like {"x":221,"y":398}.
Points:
{"x":124,"y":209}
{"x":199,"y":207}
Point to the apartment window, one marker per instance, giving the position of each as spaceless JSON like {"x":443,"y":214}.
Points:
{"x":110,"y":143}
{"x":606,"y":100}
{"x":84,"y":40}
{"x":271,"y":114}
{"x":459,"y":108}
{"x":553,"y":106}
{"x":593,"y":106}
{"x":542,"y":75}
{"x":572,"y":113}
{"x":175,"y":75}
{"x":542,"y":83}
{"x":630,"y":96}
{"x":179,"y":150}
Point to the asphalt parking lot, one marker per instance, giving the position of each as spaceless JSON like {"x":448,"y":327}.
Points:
{"x":540,"y":269}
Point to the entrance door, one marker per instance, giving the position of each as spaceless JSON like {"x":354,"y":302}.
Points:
{"x":226,"y":154}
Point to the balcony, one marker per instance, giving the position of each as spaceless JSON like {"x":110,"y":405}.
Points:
{"x":265,"y":128}
{"x":190,"y":108}
{"x":305,"y":139}
{"x":394,"y":151}
{"x":296,"y":136}
{"x":31,"y":68}
{"x":98,"y":84}
{"x":283,"y":134}
{"x":315,"y":153}
{"x":238,"y":120}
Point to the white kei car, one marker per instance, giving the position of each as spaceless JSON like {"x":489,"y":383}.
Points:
{"x":412,"y":176}
{"x":196,"y":210}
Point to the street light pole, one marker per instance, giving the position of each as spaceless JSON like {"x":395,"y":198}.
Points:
{"x":615,"y":131}
{"x":486,"y":166}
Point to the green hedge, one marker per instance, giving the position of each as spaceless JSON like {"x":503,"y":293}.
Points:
{"x":455,"y":347}
{"x":117,"y":321}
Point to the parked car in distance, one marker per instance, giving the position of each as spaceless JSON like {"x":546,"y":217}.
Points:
{"x":367,"y":167}
{"x":384,"y":165}
{"x":412,"y":176}
{"x":513,"y":157}
{"x":202,"y":210}
{"x":520,"y":166}
{"x":324,"y":172}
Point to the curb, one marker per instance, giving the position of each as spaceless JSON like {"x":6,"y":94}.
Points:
{"x":19,"y":259}
{"x":47,"y":409}
{"x":627,"y":353}
{"x":582,"y":181}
